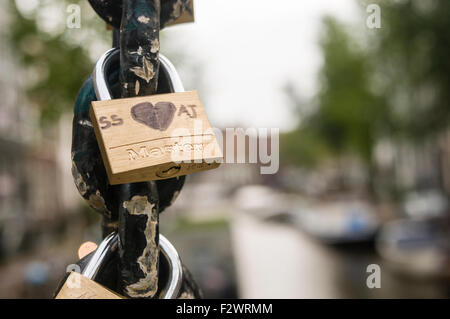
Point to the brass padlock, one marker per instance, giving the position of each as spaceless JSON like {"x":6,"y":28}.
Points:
{"x":84,"y":286}
{"x":151,"y":137}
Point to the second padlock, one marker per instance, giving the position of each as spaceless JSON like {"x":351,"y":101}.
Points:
{"x":98,"y":276}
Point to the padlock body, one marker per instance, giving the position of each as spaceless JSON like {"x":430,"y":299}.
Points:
{"x":78,"y":286}
{"x":154,"y":137}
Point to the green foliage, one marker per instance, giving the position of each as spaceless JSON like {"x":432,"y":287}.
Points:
{"x":57,"y":64}
{"x":302,"y":146}
{"x":349,"y":116}
{"x":186,"y":225}
{"x":397,"y":85}
{"x":411,"y":50}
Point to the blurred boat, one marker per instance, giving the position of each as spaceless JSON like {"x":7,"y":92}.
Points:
{"x":420,"y":248}
{"x":266,"y":203}
{"x":340,"y":222}
{"x":336,"y":222}
{"x":426,"y":204}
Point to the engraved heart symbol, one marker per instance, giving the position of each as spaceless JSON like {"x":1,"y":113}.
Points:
{"x":157,"y":117}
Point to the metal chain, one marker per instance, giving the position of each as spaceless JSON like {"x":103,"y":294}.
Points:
{"x":132,"y":209}
{"x":138,"y":210}
{"x":111,"y":11}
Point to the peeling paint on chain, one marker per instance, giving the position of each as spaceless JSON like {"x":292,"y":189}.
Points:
{"x":146,"y":72}
{"x":186,"y":295}
{"x":155,"y":46}
{"x":143,"y":19}
{"x":111,"y":11}
{"x":97,"y":202}
{"x":78,"y":179}
{"x":85,"y":123}
{"x":147,"y":286}
{"x":137,"y":87}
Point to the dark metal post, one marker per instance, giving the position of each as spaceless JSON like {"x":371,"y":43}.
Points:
{"x":138,"y":210}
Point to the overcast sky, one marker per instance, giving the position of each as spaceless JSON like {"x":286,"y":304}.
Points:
{"x":249,"y":50}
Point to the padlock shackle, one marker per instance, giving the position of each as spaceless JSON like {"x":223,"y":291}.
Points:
{"x":173,"y":286}
{"x":98,"y":75}
{"x":111,"y":57}
{"x":109,"y":245}
{"x":169,"y":69}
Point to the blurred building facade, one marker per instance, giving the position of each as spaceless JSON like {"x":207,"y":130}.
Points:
{"x":34,"y":162}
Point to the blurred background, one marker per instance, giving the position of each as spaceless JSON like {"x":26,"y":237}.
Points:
{"x":364,"y":172}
